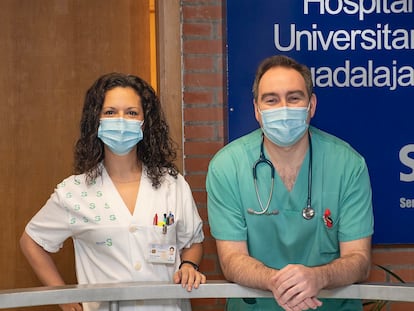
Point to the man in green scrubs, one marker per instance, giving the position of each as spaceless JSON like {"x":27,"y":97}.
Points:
{"x":307,"y":228}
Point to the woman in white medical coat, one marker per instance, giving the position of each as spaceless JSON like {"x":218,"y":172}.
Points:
{"x":129,"y":211}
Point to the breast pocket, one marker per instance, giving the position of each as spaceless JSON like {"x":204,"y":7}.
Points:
{"x":161,"y":243}
{"x":328,"y":227}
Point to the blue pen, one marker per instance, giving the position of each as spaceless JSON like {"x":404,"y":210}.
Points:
{"x":170,"y":218}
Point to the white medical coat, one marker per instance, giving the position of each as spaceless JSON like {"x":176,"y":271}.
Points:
{"x":111,"y":244}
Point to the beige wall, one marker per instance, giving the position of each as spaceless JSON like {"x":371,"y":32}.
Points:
{"x":51,"y":52}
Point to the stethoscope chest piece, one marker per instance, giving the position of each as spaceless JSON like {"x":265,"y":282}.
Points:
{"x":308,"y":213}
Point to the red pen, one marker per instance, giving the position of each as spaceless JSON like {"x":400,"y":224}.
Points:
{"x":327,"y":218}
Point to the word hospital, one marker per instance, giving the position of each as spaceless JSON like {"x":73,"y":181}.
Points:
{"x":360,"y":7}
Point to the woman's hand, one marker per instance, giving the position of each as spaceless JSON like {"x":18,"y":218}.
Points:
{"x":189,"y":277}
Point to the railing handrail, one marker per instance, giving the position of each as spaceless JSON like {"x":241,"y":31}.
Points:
{"x":116,"y":292}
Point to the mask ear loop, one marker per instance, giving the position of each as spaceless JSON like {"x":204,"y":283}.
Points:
{"x":307,"y":113}
{"x":258,"y":109}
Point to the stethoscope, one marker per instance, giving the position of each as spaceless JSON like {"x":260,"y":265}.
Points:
{"x":308,"y":212}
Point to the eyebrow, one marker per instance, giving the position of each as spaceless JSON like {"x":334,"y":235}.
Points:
{"x":268,"y":94}
{"x":296,"y":92}
{"x":113,"y":107}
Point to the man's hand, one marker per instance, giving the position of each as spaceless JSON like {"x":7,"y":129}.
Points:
{"x":295,"y":288}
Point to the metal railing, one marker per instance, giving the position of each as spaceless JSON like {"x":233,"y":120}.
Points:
{"x":114,"y":293}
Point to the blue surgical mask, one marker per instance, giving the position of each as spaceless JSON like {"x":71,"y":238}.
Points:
{"x":286,"y":125}
{"x":119,"y":134}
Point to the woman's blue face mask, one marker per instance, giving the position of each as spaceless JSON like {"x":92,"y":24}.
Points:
{"x":119,"y":134}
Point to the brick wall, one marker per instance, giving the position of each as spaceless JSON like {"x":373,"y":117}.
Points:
{"x":204,"y":113}
{"x":204,"y":108}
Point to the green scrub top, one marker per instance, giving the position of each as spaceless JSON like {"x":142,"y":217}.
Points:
{"x":340,"y":185}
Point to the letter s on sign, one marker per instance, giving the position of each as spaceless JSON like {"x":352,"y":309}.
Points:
{"x":407,"y":161}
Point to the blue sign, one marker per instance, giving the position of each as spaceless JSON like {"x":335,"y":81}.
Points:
{"x":361,"y":54}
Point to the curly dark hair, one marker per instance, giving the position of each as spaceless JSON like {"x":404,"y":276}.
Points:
{"x":156,"y":150}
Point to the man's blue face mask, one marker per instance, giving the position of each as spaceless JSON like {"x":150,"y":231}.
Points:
{"x":284,"y":126}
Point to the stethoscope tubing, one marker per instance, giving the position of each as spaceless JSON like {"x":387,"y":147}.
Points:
{"x":307,"y":212}
{"x":262,"y":160}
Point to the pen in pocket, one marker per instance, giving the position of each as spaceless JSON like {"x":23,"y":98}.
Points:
{"x":167,"y":220}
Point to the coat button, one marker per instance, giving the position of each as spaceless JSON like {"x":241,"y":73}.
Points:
{"x":137,"y":266}
{"x":132,"y":229}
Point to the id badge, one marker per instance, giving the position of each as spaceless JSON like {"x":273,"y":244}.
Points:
{"x":162,"y":253}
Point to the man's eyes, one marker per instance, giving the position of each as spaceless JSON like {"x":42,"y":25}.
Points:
{"x":270,"y":100}
{"x":294,"y":99}
{"x":291,"y":100}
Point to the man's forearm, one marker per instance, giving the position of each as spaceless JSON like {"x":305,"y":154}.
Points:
{"x":247,"y":271}
{"x":343,"y":271}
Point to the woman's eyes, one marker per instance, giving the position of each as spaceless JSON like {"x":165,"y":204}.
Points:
{"x":129,"y":113}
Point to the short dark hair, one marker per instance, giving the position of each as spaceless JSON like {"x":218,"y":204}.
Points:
{"x":282,"y":61}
